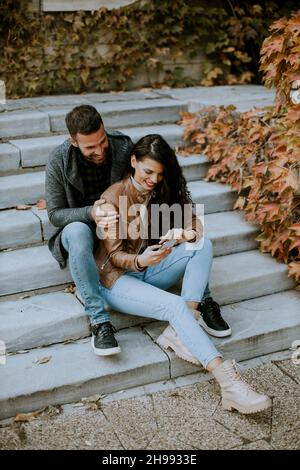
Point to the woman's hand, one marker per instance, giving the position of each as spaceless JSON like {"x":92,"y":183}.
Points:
{"x":152,"y":255}
{"x":179,"y":234}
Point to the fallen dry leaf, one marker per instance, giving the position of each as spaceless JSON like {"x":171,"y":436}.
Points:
{"x":92,"y":399}
{"x":41,"y":204}
{"x":43,"y":360}
{"x":23,"y":207}
{"x":70,"y":289}
{"x":69,"y":341}
{"x":25,"y":417}
{"x":25,"y":351}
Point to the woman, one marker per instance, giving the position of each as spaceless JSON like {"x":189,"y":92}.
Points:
{"x":135,"y":271}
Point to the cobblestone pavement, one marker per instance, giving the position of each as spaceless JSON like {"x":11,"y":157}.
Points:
{"x":175,"y":415}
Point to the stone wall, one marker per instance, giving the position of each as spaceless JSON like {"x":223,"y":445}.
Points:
{"x":147,"y":76}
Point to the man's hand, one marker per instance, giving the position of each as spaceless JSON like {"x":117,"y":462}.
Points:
{"x":104,"y":217}
{"x":153,"y":255}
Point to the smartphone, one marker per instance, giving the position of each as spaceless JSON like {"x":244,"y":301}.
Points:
{"x":168,"y":244}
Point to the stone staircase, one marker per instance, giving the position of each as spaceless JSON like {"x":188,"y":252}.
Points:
{"x":44,"y":328}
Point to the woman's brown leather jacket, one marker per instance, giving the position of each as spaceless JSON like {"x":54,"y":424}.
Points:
{"x":117,"y":254}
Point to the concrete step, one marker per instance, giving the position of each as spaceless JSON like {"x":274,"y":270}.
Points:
{"x":46,"y":319}
{"x":35,"y":321}
{"x":228,"y":230}
{"x":19,"y":228}
{"x":31,"y":152}
{"x":73,"y":371}
{"x":243,"y":97}
{"x":258,"y":328}
{"x":41,"y":102}
{"x":216,"y":197}
{"x":21,"y":189}
{"x":115,"y":114}
{"x":24,"y":123}
{"x":10,"y":158}
{"x":30,"y":268}
{"x":234,"y":277}
{"x":245,"y":92}
{"x":27,"y":188}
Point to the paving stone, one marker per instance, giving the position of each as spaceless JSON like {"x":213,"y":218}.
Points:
{"x":252,"y":427}
{"x":162,"y":441}
{"x":286,"y":412}
{"x":290,"y":368}
{"x":287,"y":440}
{"x":9,"y":157}
{"x":270,"y":380}
{"x":82,"y":429}
{"x":191,"y":401}
{"x":133,"y":421}
{"x":200,"y":433}
{"x":256,"y":445}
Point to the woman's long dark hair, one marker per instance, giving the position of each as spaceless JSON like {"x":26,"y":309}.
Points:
{"x":173,"y":188}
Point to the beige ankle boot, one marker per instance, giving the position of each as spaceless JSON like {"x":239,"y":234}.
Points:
{"x":236,"y":393}
{"x":169,"y":339}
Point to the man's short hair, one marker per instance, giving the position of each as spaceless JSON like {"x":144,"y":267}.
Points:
{"x":84,"y":119}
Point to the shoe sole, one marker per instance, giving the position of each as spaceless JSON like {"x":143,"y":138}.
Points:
{"x":164,"y":343}
{"x":229,"y":406}
{"x":217,"y":334}
{"x":105,"y":352}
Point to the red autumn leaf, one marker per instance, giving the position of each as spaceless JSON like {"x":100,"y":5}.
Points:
{"x":294,"y":270}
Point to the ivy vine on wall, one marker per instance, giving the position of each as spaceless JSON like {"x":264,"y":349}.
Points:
{"x":105,"y":49}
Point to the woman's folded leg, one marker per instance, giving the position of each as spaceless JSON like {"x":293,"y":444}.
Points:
{"x":136,"y":297}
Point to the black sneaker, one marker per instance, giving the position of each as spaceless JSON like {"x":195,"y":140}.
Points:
{"x":211,"y":319}
{"x":104,"y":342}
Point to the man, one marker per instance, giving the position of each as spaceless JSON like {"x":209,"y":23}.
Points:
{"x":77,"y":173}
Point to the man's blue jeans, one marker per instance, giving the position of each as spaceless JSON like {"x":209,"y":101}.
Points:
{"x":79,"y":240}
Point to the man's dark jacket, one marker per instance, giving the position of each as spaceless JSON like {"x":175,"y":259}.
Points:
{"x":64,"y":187}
